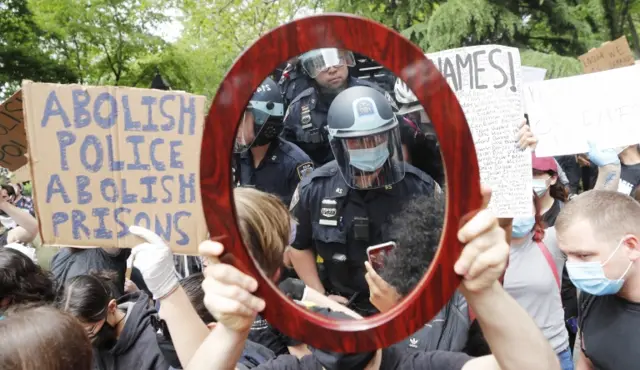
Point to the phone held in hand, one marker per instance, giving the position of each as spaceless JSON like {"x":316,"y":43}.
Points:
{"x":378,"y":253}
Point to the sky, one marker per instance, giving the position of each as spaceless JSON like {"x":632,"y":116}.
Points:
{"x":170,"y":31}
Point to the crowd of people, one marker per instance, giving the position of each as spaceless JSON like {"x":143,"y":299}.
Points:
{"x":325,"y":166}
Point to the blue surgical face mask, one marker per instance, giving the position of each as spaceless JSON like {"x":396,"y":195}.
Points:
{"x":589,"y":277}
{"x":539,"y":186}
{"x":522,"y":226}
{"x":369,"y":159}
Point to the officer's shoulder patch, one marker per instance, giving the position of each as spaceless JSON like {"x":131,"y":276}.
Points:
{"x":304,"y":169}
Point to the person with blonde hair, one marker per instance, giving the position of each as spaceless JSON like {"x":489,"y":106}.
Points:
{"x":265,"y":226}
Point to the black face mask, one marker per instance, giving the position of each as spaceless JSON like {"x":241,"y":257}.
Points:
{"x":268,"y":133}
{"x":105,"y":338}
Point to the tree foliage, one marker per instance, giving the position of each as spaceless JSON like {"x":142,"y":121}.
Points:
{"x":550,"y":33}
{"x":103,"y":41}
{"x":22,"y":51}
{"x":217,"y":31}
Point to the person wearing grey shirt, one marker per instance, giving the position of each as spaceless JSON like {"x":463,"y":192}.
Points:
{"x":530,"y":280}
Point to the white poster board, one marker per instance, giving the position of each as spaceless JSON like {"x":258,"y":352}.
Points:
{"x":533,"y":74}
{"x":602,"y":107}
{"x":487,"y":82}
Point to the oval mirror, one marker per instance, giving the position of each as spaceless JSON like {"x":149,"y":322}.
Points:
{"x":237,"y":125}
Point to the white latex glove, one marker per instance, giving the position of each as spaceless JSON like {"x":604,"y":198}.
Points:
{"x":155,"y":262}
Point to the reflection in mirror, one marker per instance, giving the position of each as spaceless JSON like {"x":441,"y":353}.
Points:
{"x":347,"y":147}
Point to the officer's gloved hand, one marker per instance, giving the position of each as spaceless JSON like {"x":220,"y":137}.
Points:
{"x":154,"y":259}
{"x":293,"y":288}
{"x":602,"y":157}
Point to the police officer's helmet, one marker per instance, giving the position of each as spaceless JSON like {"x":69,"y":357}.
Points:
{"x":365,"y":138}
{"x":262,"y":120}
{"x":409,"y":104}
{"x":316,"y":61}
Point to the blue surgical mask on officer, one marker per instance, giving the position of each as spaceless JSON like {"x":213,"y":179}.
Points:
{"x":540,"y":186}
{"x":369,"y":159}
{"x":522,"y":226}
{"x":589,"y":277}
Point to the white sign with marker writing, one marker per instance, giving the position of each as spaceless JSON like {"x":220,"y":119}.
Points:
{"x":603,"y":107}
{"x":487,"y":81}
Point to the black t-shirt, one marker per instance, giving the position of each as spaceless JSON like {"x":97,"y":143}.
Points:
{"x":610,"y":334}
{"x":392,"y":359}
{"x":71,"y":262}
{"x":629,"y":178}
{"x":552,"y":213}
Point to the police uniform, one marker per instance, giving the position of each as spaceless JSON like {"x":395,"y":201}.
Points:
{"x":279,"y":173}
{"x":306,"y":120}
{"x":339,"y":223}
{"x":292,"y":83}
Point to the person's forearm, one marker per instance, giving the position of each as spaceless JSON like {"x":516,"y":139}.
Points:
{"x":304,"y":263}
{"x":319,"y":299}
{"x":582,"y":362}
{"x":508,"y":329}
{"x":608,"y":177}
{"x":21,"y":217}
{"x":221,"y":350}
{"x":187,"y":330}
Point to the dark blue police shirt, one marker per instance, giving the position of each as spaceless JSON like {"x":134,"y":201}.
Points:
{"x":306,"y":120}
{"x":327,"y":209}
{"x":279,"y":173}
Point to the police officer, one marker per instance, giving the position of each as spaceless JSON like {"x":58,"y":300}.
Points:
{"x":345,"y":205}
{"x":418,"y":134}
{"x":293,"y":82}
{"x":263,"y":159}
{"x":306,"y":118}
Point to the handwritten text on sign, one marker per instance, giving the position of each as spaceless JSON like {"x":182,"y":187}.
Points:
{"x":13,"y":139}
{"x":107,"y":158}
{"x":487,"y":83}
{"x":614,"y":54}
{"x":601,"y":107}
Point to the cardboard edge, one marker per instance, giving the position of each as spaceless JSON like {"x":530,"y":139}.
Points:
{"x":31,"y":161}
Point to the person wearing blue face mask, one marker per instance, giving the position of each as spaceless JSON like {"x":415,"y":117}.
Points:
{"x":599,"y":232}
{"x":533,"y":278}
{"x":344,"y":207}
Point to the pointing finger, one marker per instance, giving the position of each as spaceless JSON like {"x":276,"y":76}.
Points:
{"x":146,"y":234}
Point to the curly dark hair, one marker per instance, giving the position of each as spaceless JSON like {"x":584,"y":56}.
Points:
{"x":416,"y":230}
{"x":22,"y":281}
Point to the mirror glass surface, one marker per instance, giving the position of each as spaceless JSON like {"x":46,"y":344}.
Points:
{"x":356,"y":181}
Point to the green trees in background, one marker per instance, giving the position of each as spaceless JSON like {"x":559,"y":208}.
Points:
{"x":114,"y":42}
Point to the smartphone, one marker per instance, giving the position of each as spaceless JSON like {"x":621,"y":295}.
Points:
{"x":378,"y":253}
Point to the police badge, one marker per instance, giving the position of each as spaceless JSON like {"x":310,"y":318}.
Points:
{"x":364,"y":107}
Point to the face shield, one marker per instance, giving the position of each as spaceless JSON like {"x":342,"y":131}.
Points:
{"x":256,"y":128}
{"x":321,"y":60}
{"x":370,"y":161}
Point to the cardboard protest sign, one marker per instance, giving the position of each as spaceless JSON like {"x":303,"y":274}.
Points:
{"x":533,"y":74}
{"x":603,"y":107}
{"x":13,"y":139}
{"x":614,"y":54}
{"x":105,"y":158}
{"x":487,"y":82}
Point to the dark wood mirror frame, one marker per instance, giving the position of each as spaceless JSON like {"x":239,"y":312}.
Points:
{"x":409,"y":63}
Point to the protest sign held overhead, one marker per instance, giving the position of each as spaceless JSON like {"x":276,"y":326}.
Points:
{"x":13,"y":139}
{"x":603,"y":107}
{"x":105,"y":158}
{"x":610,"y":55}
{"x":487,"y":82}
